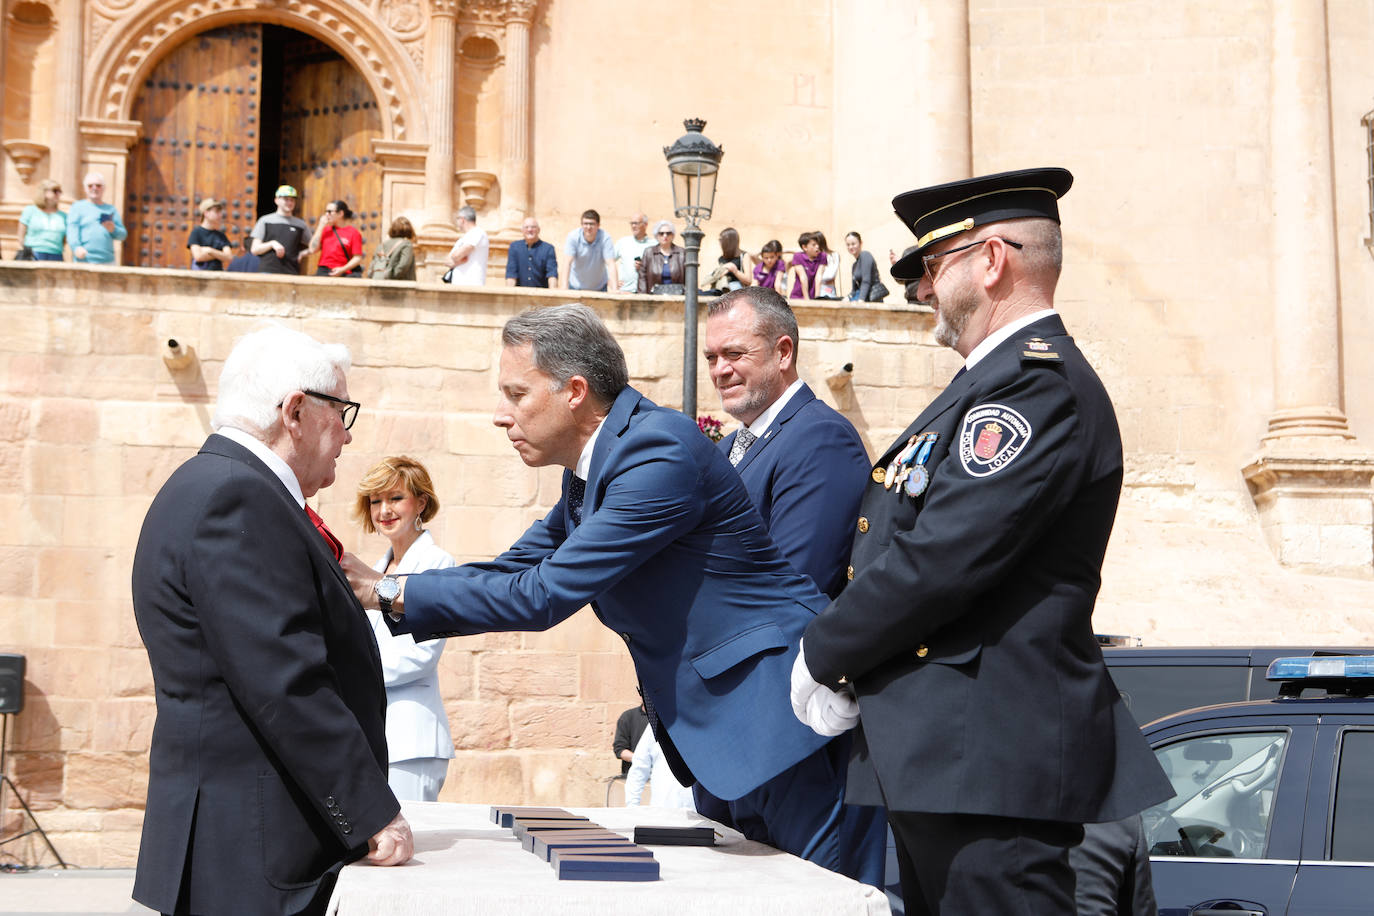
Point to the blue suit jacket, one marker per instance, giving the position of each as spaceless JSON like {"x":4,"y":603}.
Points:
{"x":672,"y":555}
{"x":806,"y":476}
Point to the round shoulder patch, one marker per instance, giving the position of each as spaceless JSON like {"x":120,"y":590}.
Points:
{"x":991,"y":438}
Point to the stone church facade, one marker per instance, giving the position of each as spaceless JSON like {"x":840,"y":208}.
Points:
{"x":1218,"y":273}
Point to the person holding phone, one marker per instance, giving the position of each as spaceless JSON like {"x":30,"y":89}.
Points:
{"x":93,"y":226}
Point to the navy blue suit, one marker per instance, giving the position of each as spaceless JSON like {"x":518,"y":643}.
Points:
{"x":806,"y":475}
{"x":672,"y":555}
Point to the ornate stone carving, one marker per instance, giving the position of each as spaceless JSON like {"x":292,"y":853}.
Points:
{"x":473,"y":186}
{"x":26,"y":155}
{"x":521,"y":10}
{"x":405,"y":18}
{"x":110,"y":92}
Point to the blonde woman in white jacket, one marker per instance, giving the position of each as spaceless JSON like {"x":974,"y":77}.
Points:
{"x":395,"y":499}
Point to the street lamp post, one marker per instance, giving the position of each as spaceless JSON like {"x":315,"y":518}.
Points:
{"x":693,"y":162}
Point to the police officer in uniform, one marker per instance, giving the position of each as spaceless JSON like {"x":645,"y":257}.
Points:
{"x":991,"y":730}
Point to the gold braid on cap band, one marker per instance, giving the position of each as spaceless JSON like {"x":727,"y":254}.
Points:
{"x":943,"y":231}
{"x":936,"y":234}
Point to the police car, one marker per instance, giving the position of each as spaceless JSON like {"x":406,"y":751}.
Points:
{"x":1274,"y":806}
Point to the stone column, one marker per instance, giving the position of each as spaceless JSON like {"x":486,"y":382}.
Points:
{"x":65,"y":138}
{"x":1311,"y":483}
{"x":515,"y":158}
{"x":944,"y":122}
{"x":438,"y":234}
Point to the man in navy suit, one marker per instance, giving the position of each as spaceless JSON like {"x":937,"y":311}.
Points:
{"x":805,"y":468}
{"x":656,"y":531}
{"x":268,"y":767}
{"x":990,"y":727}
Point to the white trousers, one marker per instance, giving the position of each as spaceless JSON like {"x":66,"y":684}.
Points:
{"x":417,"y":779}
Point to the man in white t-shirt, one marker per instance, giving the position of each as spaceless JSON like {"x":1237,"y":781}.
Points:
{"x":628,"y":251}
{"x":469,"y":255}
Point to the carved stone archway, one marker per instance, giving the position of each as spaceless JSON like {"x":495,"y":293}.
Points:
{"x":383,"y":41}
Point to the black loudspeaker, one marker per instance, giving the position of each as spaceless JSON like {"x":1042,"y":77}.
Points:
{"x":11,"y":684}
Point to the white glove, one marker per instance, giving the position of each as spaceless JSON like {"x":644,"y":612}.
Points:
{"x":826,"y":712}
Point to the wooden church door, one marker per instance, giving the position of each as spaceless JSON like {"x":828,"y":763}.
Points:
{"x":235,"y":111}
{"x":200,"y":117}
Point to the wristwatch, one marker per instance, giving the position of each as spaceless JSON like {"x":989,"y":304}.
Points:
{"x":387,"y":588}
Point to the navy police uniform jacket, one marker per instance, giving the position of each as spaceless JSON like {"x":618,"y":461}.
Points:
{"x":966,"y":630}
{"x":673,"y":556}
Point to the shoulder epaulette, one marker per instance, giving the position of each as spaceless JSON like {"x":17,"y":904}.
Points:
{"x":1036,"y":349}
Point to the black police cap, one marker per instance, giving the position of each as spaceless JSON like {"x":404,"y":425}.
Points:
{"x":938,"y":212}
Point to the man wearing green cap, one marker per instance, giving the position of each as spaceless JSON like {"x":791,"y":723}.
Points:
{"x":281,"y":240}
{"x":963,"y":645}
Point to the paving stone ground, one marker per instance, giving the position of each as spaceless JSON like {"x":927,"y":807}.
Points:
{"x":86,"y":891}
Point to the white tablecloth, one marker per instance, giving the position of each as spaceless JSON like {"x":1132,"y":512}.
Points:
{"x":466,"y":864}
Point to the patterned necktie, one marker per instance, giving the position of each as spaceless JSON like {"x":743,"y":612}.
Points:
{"x":577,"y":490}
{"x":743,"y":439}
{"x":334,"y":544}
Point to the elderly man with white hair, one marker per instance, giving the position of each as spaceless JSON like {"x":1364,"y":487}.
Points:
{"x":93,"y":226}
{"x":268,"y":766}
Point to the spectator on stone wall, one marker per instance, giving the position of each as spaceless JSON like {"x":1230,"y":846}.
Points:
{"x":281,"y":239}
{"x":591,"y":256}
{"x":245,"y":262}
{"x":628,"y":251}
{"x":340,"y":245}
{"x":93,"y":226}
{"x":395,"y":258}
{"x":468,"y":258}
{"x":532,"y":262}
{"x":210,"y":247}
{"x":664,"y":263}
{"x":45,"y":226}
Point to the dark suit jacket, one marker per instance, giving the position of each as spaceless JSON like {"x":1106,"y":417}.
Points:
{"x":268,"y":767}
{"x":671,"y":555}
{"x":967,"y":629}
{"x":806,"y":476}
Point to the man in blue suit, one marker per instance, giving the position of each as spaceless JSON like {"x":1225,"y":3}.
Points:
{"x":656,"y":531}
{"x":805,"y":469}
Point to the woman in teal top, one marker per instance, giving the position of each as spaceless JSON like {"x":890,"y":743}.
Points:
{"x":45,"y":226}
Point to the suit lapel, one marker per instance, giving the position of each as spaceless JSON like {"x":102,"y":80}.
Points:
{"x":799,"y":400}
{"x":228,"y":448}
{"x":615,"y":425}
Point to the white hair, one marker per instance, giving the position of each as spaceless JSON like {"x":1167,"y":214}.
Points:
{"x":264,"y":367}
{"x":662,"y":225}
{"x":89,"y":175}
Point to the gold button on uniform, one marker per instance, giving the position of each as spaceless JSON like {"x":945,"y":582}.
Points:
{"x":863,"y":525}
{"x":849,"y":573}
{"x":879,"y":475}
{"x":922,"y":651}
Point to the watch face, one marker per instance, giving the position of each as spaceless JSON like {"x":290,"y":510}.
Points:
{"x":388,"y":588}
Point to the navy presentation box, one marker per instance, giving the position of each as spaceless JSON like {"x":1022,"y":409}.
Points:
{"x":606,"y":868}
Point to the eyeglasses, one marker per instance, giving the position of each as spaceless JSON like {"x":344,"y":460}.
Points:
{"x":670,"y":233}
{"x":928,"y":260}
{"x":96,"y":185}
{"x":349,"y":412}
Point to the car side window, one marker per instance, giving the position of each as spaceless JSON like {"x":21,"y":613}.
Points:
{"x":1224,"y":784}
{"x":1352,"y":839}
{"x":1152,"y":691}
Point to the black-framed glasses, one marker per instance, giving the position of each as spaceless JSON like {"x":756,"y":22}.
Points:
{"x":928,"y":260}
{"x":349,"y":412}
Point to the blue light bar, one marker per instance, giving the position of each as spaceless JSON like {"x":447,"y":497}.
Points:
{"x":1320,"y":667}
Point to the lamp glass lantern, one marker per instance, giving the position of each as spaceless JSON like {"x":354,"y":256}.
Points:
{"x":693,"y":162}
